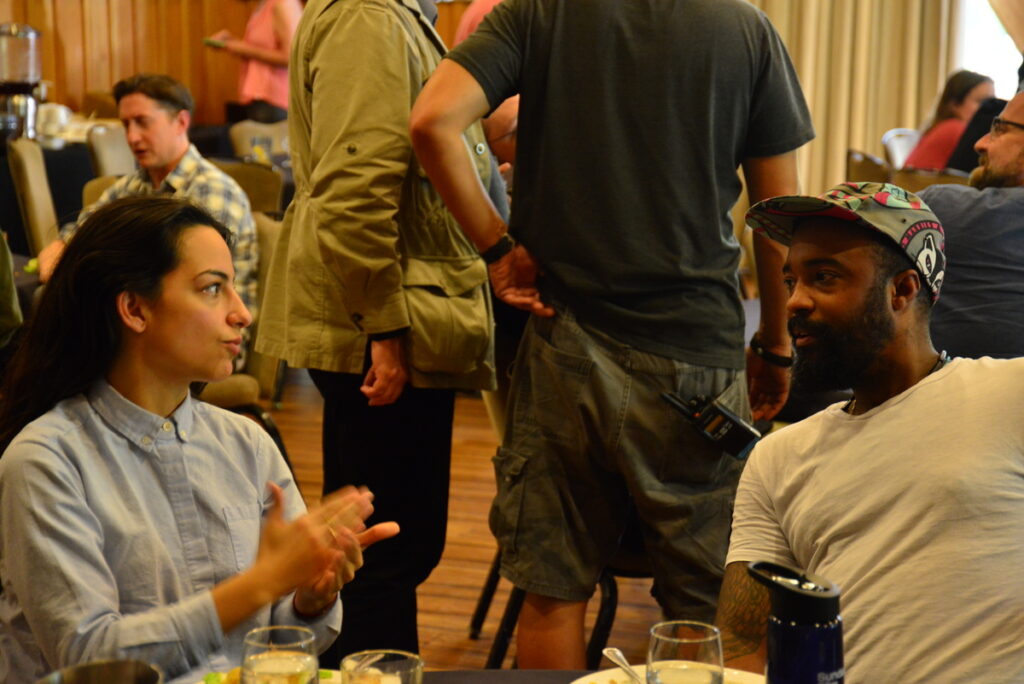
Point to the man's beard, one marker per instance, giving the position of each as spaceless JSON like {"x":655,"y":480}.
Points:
{"x":841,"y":354}
{"x":984,"y":176}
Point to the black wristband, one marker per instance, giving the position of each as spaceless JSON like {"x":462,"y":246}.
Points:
{"x":770,"y":357}
{"x":499,"y":249}
{"x":381,"y":336}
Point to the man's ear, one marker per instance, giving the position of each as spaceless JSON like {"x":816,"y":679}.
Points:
{"x":133,"y":311}
{"x":183,"y":119}
{"x":906,"y":286}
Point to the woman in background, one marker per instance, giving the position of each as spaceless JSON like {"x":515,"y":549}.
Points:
{"x":963,"y":94}
{"x":264,"y":49}
{"x":135,"y":521}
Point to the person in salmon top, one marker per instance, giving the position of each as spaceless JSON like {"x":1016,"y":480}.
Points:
{"x":263,"y":48}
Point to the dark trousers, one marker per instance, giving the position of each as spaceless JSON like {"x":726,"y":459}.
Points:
{"x":402,"y":452}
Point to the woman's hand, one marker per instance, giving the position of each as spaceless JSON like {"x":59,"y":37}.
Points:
{"x":318,"y":596}
{"x":297,"y":553}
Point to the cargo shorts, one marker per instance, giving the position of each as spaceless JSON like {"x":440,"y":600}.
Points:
{"x":589,"y":435}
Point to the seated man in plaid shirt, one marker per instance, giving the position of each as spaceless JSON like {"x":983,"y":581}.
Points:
{"x":156,"y":111}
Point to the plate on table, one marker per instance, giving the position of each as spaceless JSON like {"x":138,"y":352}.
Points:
{"x":617,"y":676}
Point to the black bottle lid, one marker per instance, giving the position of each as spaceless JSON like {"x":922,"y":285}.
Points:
{"x":797,"y":596}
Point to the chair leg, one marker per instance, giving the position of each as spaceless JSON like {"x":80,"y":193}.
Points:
{"x":486,"y":596}
{"x":503,"y":637}
{"x":282,"y":371}
{"x":605,"y":617}
{"x":268,"y":424}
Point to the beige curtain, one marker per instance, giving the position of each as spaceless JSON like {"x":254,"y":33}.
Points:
{"x":866,"y":66}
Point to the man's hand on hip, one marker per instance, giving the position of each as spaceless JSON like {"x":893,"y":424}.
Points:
{"x":514,"y":279}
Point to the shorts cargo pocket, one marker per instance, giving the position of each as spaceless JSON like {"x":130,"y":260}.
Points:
{"x":449,"y":312}
{"x":506,"y":510}
{"x":552,"y":388}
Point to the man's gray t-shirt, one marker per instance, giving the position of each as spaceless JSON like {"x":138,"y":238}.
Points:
{"x":634,"y":117}
{"x":980,"y":311}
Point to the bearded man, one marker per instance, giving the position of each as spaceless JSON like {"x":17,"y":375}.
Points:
{"x":910,"y":496}
{"x":982,"y":308}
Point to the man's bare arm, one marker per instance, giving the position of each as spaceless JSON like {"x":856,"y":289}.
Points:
{"x":769,"y":385}
{"x":743,"y":608}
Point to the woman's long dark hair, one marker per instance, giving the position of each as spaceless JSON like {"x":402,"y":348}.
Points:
{"x":74,"y":332}
{"x":958,"y":86}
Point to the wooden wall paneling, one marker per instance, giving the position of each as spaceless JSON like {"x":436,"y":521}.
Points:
{"x":448,"y":16}
{"x":147,"y":40}
{"x":12,"y":10}
{"x":70,"y":56}
{"x":96,"y":45}
{"x":122,"y":40}
{"x":39,"y":15}
{"x":171,"y":59}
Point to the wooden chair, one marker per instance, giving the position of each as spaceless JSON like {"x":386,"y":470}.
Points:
{"x":898,"y":144}
{"x":263,"y":184}
{"x":92,"y":190}
{"x":861,"y":166}
{"x":28,"y":172}
{"x":919,"y":179}
{"x":109,"y":150}
{"x":243,"y":132}
{"x":242,"y":391}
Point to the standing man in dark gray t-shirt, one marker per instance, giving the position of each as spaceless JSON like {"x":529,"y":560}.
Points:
{"x":633,"y":119}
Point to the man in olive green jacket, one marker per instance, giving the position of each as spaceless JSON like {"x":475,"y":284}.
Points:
{"x":374,"y":288}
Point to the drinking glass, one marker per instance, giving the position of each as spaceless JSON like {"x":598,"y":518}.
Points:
{"x":382,"y":667}
{"x":261,"y":148}
{"x":684,"y":652}
{"x":279,"y":655}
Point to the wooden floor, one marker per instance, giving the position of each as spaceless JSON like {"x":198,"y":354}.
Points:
{"x":447,"y":599}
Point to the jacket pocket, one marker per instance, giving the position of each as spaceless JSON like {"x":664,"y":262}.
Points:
{"x":449,"y":313}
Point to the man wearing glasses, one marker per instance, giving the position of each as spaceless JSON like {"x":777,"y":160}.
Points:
{"x":981,"y":312}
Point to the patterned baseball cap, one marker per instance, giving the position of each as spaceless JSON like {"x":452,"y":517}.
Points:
{"x":890,"y":210}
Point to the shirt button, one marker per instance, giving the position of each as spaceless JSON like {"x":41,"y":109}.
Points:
{"x":183,"y":433}
{"x":167,"y":426}
{"x":147,"y":441}
{"x":480,"y":148}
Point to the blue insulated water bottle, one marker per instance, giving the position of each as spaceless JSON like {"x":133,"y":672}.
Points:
{"x":805,"y":632}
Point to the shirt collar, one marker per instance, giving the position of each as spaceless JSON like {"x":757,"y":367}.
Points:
{"x":136,"y":423}
{"x":178,"y":179}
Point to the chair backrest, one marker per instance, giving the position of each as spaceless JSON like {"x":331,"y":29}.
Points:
{"x":919,"y":179}
{"x":243,"y":132}
{"x":92,"y":190}
{"x":861,"y":166}
{"x":28,"y":171}
{"x":99,"y":104}
{"x":263,"y":184}
{"x":898,"y":144}
{"x":109,"y":150}
{"x":261,"y":367}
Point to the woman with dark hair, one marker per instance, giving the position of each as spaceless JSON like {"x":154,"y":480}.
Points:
{"x":135,"y":521}
{"x":963,"y":94}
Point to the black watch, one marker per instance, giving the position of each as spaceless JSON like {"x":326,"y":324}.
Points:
{"x":499,"y":249}
{"x":770,"y":357}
